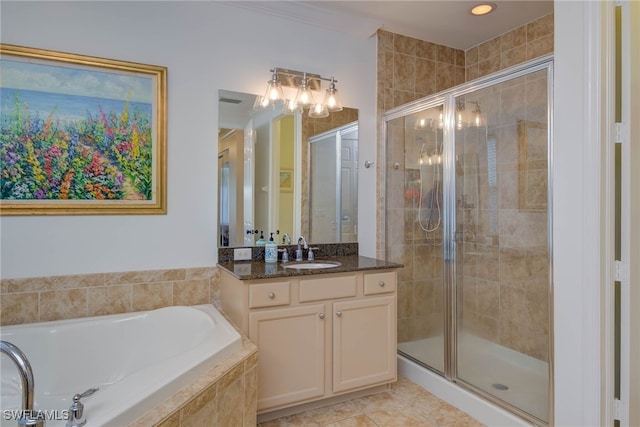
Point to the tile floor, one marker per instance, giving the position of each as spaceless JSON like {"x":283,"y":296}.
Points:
{"x":405,"y":404}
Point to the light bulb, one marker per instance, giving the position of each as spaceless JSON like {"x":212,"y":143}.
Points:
{"x":318,"y":111}
{"x":304,"y":98}
{"x":331,"y":99}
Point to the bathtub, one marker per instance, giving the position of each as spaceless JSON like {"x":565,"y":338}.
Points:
{"x":137,"y":360}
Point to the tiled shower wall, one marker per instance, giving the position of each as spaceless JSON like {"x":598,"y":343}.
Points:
{"x":409,"y":69}
{"x":39,"y":299}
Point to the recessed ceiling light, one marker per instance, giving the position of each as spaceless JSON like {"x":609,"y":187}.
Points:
{"x":483,"y":9}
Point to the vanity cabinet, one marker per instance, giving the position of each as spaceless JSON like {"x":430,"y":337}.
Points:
{"x":318,"y":336}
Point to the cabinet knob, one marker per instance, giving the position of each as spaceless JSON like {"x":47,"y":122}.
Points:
{"x":271,"y":295}
{"x":338,"y":313}
{"x":321,"y":315}
{"x":381,"y":283}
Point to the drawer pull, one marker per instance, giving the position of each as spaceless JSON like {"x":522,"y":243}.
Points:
{"x":321,"y":315}
{"x":381,"y":283}
{"x":338,"y":313}
{"x":271,"y":295}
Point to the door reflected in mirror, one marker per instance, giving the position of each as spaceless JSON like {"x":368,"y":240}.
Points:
{"x":285,"y":173}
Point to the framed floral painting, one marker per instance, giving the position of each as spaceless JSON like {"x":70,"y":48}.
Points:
{"x":80,"y":134}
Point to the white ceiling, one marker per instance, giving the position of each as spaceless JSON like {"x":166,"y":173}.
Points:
{"x":449,"y":23}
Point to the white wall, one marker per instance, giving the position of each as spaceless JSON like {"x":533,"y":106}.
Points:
{"x":206,"y":46}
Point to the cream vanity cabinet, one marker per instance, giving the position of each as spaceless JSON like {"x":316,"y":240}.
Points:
{"x":318,"y":336}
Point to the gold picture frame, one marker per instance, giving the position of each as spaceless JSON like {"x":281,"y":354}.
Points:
{"x":81,"y":135}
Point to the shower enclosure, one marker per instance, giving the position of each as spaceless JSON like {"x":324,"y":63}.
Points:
{"x":467,"y":195}
{"x":333,"y":165}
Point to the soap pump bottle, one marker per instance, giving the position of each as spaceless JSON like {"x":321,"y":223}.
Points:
{"x":271,"y":250}
{"x":261,"y":241}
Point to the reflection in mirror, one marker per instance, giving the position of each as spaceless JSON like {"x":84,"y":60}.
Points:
{"x":263,"y":185}
{"x":334,"y":165}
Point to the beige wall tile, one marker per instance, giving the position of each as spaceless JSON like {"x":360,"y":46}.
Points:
{"x":191,"y":292}
{"x":540,"y":47}
{"x":230,"y":405}
{"x":19,"y":308}
{"x":404,"y":44}
{"x":385,"y":40}
{"x":489,"y":49}
{"x":426,"y":50}
{"x":149,"y":296}
{"x":109,"y":300}
{"x":445,"y":54}
{"x":425,"y":76}
{"x":172,"y":420}
{"x":63,"y":304}
{"x":512,"y":57}
{"x":250,"y":396}
{"x":201,"y":410}
{"x":471,"y":56}
{"x":488,"y":66}
{"x":445,"y":76}
{"x":514,"y":38}
{"x":404,"y":69}
{"x":145,"y":276}
{"x":539,"y":28}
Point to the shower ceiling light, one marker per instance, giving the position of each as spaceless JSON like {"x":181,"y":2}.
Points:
{"x":483,"y":9}
{"x":305,"y":83}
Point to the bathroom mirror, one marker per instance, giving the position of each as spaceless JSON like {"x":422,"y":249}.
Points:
{"x":285,"y":172}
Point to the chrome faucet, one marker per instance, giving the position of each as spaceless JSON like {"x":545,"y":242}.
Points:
{"x":286,"y":240}
{"x":77,"y":418}
{"x":301,"y":241}
{"x":27,"y":417}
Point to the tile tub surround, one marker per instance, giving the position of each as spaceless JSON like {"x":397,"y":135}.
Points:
{"x":225,"y":396}
{"x":39,"y":299}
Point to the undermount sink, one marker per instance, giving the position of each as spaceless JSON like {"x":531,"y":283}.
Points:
{"x":312,"y":265}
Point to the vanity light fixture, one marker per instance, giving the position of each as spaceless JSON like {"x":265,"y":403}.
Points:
{"x":305,"y":84}
{"x":483,"y":9}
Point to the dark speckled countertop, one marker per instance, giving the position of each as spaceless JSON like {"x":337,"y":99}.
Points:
{"x":258,"y":269}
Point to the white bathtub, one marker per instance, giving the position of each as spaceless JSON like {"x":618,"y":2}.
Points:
{"x":136,"y":359}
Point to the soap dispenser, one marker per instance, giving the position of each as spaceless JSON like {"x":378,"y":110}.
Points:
{"x":261,"y":241}
{"x":271,"y":250}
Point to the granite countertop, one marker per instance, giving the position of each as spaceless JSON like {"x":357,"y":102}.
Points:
{"x":250,"y":270}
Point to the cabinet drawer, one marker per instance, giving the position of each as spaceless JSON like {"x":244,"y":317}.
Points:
{"x":379,"y":283}
{"x":327,"y":288}
{"x":269,"y":294}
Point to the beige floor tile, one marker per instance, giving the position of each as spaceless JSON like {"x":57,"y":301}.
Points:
{"x":399,"y":417}
{"x":357,"y":421}
{"x":405,"y":404}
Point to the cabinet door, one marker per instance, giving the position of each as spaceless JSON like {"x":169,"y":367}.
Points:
{"x":364,"y":342}
{"x":291,"y":354}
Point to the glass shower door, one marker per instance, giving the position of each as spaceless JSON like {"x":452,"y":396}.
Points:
{"x":415,"y":232}
{"x":501,"y":242}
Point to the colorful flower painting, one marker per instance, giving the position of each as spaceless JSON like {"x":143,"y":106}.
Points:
{"x":80,"y":134}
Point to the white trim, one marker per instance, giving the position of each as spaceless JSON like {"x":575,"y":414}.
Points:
{"x":625,"y":227}
{"x":576,"y":214}
{"x":610,"y":406}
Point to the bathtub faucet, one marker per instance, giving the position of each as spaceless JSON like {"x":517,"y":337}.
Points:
{"x":76,"y":410}
{"x":29,"y":417}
